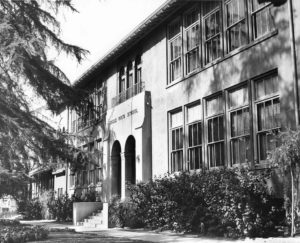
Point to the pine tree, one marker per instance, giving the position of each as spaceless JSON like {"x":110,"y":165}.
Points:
{"x":28,"y":29}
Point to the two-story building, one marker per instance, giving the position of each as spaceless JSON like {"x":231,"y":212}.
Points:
{"x":198,"y":84}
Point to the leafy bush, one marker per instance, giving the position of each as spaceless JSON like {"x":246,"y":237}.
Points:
{"x":122,"y":213}
{"x":229,"y":202}
{"x":31,"y":209}
{"x":16,"y":233}
{"x":61,"y":208}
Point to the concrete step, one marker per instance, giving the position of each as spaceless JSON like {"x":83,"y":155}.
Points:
{"x":95,"y":221}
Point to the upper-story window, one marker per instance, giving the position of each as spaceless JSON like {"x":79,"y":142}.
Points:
{"x":212,"y":31}
{"x":130,"y":81}
{"x":122,"y":80}
{"x":192,"y":37}
{"x":129,"y":75}
{"x":199,"y":37}
{"x":262,"y":21}
{"x":175,"y":50}
{"x":236,"y":24}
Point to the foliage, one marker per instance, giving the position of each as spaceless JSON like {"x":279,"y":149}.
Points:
{"x":228,"y":202}
{"x":61,"y":208}
{"x":13,"y":232}
{"x":28,"y":30}
{"x":30,"y":209}
{"x":286,"y":159}
{"x":122,"y":213}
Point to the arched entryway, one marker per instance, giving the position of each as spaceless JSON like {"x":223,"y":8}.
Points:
{"x":130,"y":166}
{"x":116,"y":169}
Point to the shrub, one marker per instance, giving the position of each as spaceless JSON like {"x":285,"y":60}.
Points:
{"x":61,"y":208}
{"x":122,"y":213}
{"x":30,"y":209}
{"x":228,"y":202}
{"x":16,"y":233}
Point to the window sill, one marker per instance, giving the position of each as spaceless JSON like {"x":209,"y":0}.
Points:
{"x":225,"y":57}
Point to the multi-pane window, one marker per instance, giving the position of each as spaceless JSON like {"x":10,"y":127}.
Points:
{"x":194,"y":129}
{"x":236,"y":24}
{"x":175,"y":50}
{"x":138,"y":70}
{"x":192,"y":40}
{"x":99,"y":147}
{"x":176,"y":137}
{"x":215,"y":131}
{"x":267,"y":105}
{"x":212,"y":31}
{"x":129,"y":75}
{"x":239,"y":114}
{"x":122,"y":80}
{"x":262,"y":21}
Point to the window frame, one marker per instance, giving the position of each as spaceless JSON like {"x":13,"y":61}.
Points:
{"x":231,"y":110}
{"x":182,"y":149}
{"x":197,"y":48}
{"x":181,"y":57}
{"x":228,"y":27}
{"x":221,"y":33}
{"x":252,"y":21}
{"x":186,"y":134}
{"x":209,"y":117}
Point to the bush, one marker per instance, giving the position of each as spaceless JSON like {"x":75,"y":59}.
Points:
{"x":30,"y":209}
{"x":229,"y":202}
{"x":15,"y":233}
{"x":122,"y":213}
{"x":61,"y":208}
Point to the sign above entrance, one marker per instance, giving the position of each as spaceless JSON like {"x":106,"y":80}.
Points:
{"x":123,"y":116}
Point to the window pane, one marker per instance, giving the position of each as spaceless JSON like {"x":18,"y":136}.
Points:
{"x":174,"y":29}
{"x":191,"y":17}
{"x":194,"y":113}
{"x":176,"y":119}
{"x":238,"y":97}
{"x":214,"y":106}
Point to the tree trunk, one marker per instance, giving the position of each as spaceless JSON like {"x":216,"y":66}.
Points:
{"x":293,"y":205}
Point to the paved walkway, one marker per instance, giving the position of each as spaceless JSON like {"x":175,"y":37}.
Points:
{"x":129,"y":235}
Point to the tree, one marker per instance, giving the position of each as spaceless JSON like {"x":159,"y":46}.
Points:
{"x":286,"y":158}
{"x":28,"y":29}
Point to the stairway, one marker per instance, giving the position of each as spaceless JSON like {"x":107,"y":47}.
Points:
{"x":98,"y":220}
{"x":94,"y":221}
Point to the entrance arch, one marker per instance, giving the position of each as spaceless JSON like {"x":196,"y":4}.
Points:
{"x":130,"y":165}
{"x":116,"y":169}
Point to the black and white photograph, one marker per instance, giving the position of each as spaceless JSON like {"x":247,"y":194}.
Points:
{"x":174,"y":121}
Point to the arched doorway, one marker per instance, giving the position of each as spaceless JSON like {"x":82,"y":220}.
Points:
{"x":130,"y":167}
{"x":116,"y":169}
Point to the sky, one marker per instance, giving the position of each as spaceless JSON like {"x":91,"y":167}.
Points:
{"x":98,"y":27}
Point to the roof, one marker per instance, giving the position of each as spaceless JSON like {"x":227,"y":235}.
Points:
{"x":157,"y":17}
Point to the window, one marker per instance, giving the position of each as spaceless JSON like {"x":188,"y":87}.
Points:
{"x":176,"y":136}
{"x":239,"y":114}
{"x":175,"y":50}
{"x":215,"y":131}
{"x":236,"y":32}
{"x":59,"y":192}
{"x":268,"y":114}
{"x":98,"y":172}
{"x":138,"y":70}
{"x":194,"y":128}
{"x":129,"y":75}
{"x":212,"y":31}
{"x":122,"y":80}
{"x":192,"y":43}
{"x":262,"y":22}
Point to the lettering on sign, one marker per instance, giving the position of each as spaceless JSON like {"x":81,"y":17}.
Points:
{"x":122,"y":117}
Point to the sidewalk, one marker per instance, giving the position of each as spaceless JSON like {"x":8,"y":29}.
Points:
{"x":152,"y":236}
